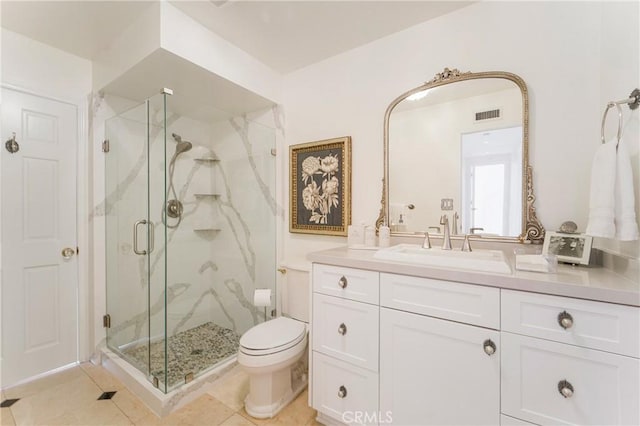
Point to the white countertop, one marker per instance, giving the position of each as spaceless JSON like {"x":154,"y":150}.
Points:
{"x":593,"y":283}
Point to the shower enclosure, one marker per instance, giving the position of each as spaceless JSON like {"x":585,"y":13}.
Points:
{"x":190,"y":234}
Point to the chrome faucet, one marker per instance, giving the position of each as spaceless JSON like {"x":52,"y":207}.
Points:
{"x":446,"y":238}
{"x":454,"y":225}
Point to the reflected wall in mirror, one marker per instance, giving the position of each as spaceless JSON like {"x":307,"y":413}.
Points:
{"x":458,"y":146}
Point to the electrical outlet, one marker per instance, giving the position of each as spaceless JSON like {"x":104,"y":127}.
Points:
{"x":446,"y":204}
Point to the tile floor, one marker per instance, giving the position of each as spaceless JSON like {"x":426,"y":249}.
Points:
{"x":71,"y":398}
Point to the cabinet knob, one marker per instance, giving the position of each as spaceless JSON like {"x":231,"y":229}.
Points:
{"x":342,"y":392}
{"x":342,"y":329}
{"x":565,"y":388}
{"x":565,"y":320}
{"x":489,"y":347}
{"x":342,"y":282}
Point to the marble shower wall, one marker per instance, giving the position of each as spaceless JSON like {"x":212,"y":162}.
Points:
{"x":225,"y":245}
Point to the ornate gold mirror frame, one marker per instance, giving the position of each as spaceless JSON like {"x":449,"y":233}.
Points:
{"x":532,"y":230}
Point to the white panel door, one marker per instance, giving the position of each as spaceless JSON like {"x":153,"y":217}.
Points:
{"x":39,"y":284}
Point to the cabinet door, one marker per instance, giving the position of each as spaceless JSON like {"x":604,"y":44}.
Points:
{"x":436,"y":372}
{"x":550,"y":383}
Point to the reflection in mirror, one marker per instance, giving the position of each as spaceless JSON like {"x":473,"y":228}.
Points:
{"x":461,"y":150}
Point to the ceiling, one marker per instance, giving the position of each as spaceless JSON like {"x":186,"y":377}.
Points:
{"x":284,"y":35}
{"x":79,"y":27}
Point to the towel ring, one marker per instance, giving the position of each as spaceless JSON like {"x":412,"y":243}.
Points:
{"x":604,"y":120}
{"x":633,"y":101}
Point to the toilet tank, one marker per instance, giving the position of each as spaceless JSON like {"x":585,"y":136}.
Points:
{"x":295,"y":290}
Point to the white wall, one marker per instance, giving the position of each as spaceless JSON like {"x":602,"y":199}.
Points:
{"x":556,"y":47}
{"x":42,"y":69}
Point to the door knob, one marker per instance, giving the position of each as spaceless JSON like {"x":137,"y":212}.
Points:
{"x":68,"y":252}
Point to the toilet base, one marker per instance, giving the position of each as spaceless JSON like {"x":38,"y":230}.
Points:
{"x":277,"y":389}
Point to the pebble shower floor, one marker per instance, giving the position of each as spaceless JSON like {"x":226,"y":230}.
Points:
{"x":189,"y":351}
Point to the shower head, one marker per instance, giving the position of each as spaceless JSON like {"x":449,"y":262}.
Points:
{"x":183,"y":146}
{"x":177,"y":137}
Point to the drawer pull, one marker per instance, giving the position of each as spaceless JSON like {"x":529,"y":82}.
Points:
{"x":489,"y":347}
{"x":342,"y":282}
{"x":565,"y":320}
{"x":342,"y":329}
{"x":565,"y":388}
{"x":342,"y":392}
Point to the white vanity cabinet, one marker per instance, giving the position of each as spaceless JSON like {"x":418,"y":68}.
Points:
{"x":435,"y":371}
{"x":411,"y":350}
{"x":569,"y":361}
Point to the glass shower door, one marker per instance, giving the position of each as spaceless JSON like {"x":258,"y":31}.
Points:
{"x":130,"y":236}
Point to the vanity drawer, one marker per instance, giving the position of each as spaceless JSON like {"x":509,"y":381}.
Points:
{"x":341,"y":390}
{"x":346,"y":330}
{"x":605,"y":386}
{"x":597,"y":325}
{"x":466,"y":303}
{"x":354,"y":284}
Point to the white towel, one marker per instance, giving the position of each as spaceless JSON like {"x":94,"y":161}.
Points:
{"x":602,"y":198}
{"x":626,"y":225}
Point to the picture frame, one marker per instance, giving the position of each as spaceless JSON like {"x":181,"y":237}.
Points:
{"x":569,"y":248}
{"x":320,"y":187}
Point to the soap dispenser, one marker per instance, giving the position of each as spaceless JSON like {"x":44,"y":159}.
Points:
{"x":402,"y":226}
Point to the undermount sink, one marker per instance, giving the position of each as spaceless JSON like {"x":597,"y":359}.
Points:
{"x":477,"y":260}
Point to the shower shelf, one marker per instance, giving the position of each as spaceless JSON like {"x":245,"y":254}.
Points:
{"x":203,"y":195}
{"x":206,"y":229}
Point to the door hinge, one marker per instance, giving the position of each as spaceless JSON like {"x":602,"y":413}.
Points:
{"x":105,"y":145}
{"x":106,"y":321}
{"x":77,"y":250}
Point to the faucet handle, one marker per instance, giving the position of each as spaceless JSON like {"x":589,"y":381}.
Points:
{"x":444,"y":220}
{"x":466,"y":244}
{"x":426,"y":244}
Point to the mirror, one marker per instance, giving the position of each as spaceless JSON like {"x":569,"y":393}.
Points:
{"x":458,"y":146}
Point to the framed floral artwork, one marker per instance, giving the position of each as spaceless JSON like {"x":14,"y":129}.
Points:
{"x":320,"y":179}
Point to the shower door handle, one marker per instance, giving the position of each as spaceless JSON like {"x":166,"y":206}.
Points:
{"x":135,"y":237}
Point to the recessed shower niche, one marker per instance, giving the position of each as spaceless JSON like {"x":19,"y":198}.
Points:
{"x":190,"y":218}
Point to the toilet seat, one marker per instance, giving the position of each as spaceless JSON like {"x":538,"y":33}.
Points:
{"x":272,"y":336}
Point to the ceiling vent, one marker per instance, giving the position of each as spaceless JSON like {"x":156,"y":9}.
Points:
{"x":488,"y":115}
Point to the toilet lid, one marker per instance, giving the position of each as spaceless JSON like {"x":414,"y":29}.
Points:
{"x":273,"y":334}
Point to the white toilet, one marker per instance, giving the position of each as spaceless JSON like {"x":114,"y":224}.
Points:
{"x":274,"y":353}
